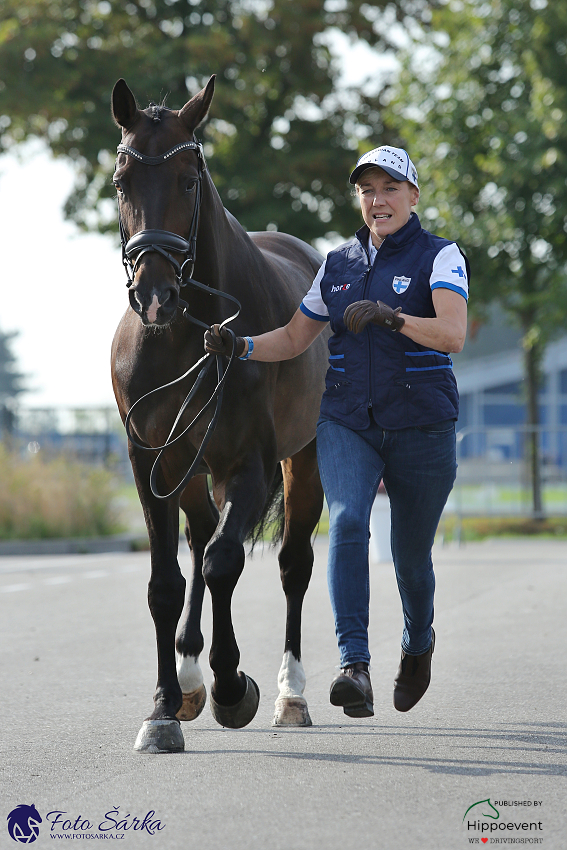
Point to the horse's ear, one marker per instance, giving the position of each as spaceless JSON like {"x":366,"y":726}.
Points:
{"x":124,"y":109}
{"x":196,"y":109}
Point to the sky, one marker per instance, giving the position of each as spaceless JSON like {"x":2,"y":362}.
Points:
{"x":64,"y":291}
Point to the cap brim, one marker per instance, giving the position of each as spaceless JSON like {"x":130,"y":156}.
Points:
{"x":360,"y":168}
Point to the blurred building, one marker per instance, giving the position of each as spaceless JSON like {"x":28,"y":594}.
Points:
{"x":91,"y":435}
{"x":490,"y":376}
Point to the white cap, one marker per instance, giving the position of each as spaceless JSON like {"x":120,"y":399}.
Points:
{"x":394,"y":161}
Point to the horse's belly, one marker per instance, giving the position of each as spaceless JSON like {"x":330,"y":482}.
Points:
{"x":300,"y":387}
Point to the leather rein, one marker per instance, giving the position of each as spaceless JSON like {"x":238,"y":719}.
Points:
{"x":162,"y":242}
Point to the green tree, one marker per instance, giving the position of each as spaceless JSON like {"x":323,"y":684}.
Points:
{"x":281,"y":136}
{"x":482,"y":103}
{"x":10,"y":382}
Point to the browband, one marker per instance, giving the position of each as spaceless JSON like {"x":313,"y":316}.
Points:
{"x":157,"y":160}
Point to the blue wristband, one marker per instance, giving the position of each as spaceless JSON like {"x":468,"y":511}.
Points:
{"x":250,"y":348}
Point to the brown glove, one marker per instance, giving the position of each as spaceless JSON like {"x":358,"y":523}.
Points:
{"x":219,"y":341}
{"x":357,"y":316}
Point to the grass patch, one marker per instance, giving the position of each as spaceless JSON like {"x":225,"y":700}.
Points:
{"x":55,"y":497}
{"x":481,"y":528}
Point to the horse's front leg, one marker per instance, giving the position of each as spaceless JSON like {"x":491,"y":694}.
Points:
{"x":202,"y":519}
{"x":161,"y":731}
{"x":234,"y":696}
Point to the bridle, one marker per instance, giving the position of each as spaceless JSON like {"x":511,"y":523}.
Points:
{"x":162,"y":242}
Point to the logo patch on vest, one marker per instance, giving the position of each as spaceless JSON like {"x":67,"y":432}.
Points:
{"x":400,"y":284}
{"x":340,"y":288}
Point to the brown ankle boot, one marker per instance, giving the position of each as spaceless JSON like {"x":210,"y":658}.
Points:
{"x":352,"y":689}
{"x":413,"y":678}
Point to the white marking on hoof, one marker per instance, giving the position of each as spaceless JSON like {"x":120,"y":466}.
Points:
{"x":160,"y":736}
{"x":189,"y":673}
{"x":291,"y":678}
{"x":190,"y":677}
{"x":153,"y":309}
{"x":291,"y":705}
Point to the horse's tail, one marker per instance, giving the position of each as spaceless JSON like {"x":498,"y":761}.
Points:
{"x":271,"y":524}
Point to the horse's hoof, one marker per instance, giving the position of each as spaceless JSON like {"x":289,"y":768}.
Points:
{"x":193,"y":704}
{"x":239,"y":715}
{"x":160,"y":736}
{"x":291,"y":711}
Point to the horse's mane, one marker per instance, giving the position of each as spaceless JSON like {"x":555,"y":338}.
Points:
{"x":155,"y":110}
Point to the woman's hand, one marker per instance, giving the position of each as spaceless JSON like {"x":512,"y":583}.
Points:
{"x":219,"y":341}
{"x":357,"y":316}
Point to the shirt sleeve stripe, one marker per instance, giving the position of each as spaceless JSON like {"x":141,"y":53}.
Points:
{"x":311,"y":315}
{"x":442,"y":284}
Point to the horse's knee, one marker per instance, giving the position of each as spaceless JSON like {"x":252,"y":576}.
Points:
{"x":166,"y":596}
{"x":223,"y":563}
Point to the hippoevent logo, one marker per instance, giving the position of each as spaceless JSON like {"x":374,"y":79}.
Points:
{"x":504,"y":822}
{"x":23,"y":824}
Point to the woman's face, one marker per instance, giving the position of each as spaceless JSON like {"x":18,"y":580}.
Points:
{"x":385,"y":203}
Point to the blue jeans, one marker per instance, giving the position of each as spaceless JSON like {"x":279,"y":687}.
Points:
{"x":418,"y":467}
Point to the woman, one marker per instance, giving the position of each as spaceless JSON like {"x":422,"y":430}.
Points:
{"x":396,"y":298}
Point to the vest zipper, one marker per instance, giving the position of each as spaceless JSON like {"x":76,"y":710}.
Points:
{"x":364,"y":292}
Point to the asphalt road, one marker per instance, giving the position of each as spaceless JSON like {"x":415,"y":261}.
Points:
{"x":78,"y":673}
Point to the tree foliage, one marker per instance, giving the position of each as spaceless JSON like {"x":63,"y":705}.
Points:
{"x":487,"y":125}
{"x":281,"y":136}
{"x":10,"y":378}
{"x":482,"y":104}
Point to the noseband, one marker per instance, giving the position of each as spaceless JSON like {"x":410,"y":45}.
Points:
{"x":162,"y":242}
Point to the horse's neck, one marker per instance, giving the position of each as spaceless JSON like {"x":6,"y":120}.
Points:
{"x":223,"y":246}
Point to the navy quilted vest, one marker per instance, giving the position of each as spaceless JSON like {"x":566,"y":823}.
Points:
{"x":379,"y":372}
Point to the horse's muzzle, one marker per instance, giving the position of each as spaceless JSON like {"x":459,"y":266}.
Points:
{"x":157,"y":308}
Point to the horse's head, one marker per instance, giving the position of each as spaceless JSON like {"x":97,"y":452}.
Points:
{"x":158,"y":197}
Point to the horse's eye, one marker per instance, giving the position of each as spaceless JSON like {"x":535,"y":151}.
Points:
{"x":118,"y":188}
{"x":190,"y":186}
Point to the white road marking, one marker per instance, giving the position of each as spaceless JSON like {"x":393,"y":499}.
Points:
{"x":15,"y":567}
{"x":13,"y":588}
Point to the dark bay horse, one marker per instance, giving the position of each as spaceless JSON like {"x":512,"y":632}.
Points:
{"x":268,"y":413}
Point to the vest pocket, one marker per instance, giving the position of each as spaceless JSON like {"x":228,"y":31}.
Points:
{"x":411,"y":378}
{"x":335,"y":388}
{"x":428,"y":395}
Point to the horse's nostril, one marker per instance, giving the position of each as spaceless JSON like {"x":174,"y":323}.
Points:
{"x":169,"y":297}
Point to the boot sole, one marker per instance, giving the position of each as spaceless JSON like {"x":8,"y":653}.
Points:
{"x":352,"y":700}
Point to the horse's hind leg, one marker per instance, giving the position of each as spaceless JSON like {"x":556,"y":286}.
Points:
{"x":303,"y":505}
{"x":200,"y":524}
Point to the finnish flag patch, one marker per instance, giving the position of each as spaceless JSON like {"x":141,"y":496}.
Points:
{"x":400,"y":284}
